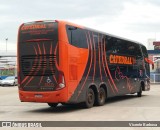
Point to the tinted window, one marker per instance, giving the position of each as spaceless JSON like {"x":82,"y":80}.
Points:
{"x":77,"y":36}
{"x":111,"y":46}
{"x":115,"y":45}
{"x":133,"y":49}
{"x":119,"y":47}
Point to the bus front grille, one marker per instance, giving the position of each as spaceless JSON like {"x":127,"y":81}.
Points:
{"x":38,"y":65}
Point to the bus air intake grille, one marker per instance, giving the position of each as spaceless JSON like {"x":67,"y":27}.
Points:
{"x":38,"y":65}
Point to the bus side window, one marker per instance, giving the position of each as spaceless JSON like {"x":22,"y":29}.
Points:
{"x":115,"y":45}
{"x":121,"y":47}
{"x":111,"y":45}
{"x":77,"y":36}
{"x":131,"y":48}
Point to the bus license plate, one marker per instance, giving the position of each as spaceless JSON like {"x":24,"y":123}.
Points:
{"x":38,"y":95}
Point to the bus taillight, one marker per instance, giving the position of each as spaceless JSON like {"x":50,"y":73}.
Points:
{"x":61,"y":81}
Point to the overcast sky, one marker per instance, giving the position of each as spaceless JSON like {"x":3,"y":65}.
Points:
{"x":137,"y":20}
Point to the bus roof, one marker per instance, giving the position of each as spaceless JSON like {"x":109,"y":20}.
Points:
{"x":80,"y":26}
{"x":111,"y":35}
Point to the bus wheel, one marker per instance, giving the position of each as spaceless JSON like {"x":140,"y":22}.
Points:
{"x":52,"y":104}
{"x":139,"y":94}
{"x":90,"y":98}
{"x":101,"y":97}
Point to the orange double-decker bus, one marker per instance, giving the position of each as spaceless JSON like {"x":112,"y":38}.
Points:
{"x":61,"y":62}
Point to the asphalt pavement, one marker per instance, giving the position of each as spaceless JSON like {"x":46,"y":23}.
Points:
{"x":123,"y":108}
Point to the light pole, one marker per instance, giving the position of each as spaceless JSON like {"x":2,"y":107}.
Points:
{"x":6,"y":44}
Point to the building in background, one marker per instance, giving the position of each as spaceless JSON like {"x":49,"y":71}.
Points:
{"x":150,"y":43}
{"x":8,"y":64}
{"x":154,"y":55}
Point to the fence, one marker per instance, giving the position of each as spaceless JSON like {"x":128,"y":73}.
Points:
{"x":155,"y":78}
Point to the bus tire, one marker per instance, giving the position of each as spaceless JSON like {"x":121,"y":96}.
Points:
{"x":90,"y":98}
{"x":139,"y":94}
{"x":101,"y":97}
{"x":52,"y":104}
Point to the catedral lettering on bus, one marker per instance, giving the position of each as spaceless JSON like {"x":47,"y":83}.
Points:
{"x":32,"y":27}
{"x":72,"y":64}
{"x":116,"y":59}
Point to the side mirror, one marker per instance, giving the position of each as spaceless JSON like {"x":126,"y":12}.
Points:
{"x":150,"y":62}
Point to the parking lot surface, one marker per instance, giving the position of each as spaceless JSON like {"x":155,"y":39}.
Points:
{"x":124,"y":108}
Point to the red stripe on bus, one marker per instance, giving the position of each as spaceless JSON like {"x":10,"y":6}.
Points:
{"x":39,"y":52}
{"x":94,"y":58}
{"x":35,"y":50}
{"x":39,"y":49}
{"x":104,"y":59}
{"x":44,"y":51}
{"x":103,"y":64}
{"x":55,"y":53}
{"x":51,"y":49}
{"x":24,"y":79}
{"x":38,"y":64}
{"x":89,"y":66}
{"x":29,"y":81}
{"x":99,"y":58}
{"x":38,"y":40}
{"x":109,"y":72}
{"x":111,"y":86}
{"x":31,"y":68}
{"x":57,"y":66}
{"x":51,"y":67}
{"x":102,"y":53}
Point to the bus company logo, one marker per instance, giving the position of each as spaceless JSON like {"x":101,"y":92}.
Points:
{"x":21,"y":124}
{"x":33,"y":27}
{"x":49,"y":83}
{"x":117,"y":59}
{"x":6,"y":124}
